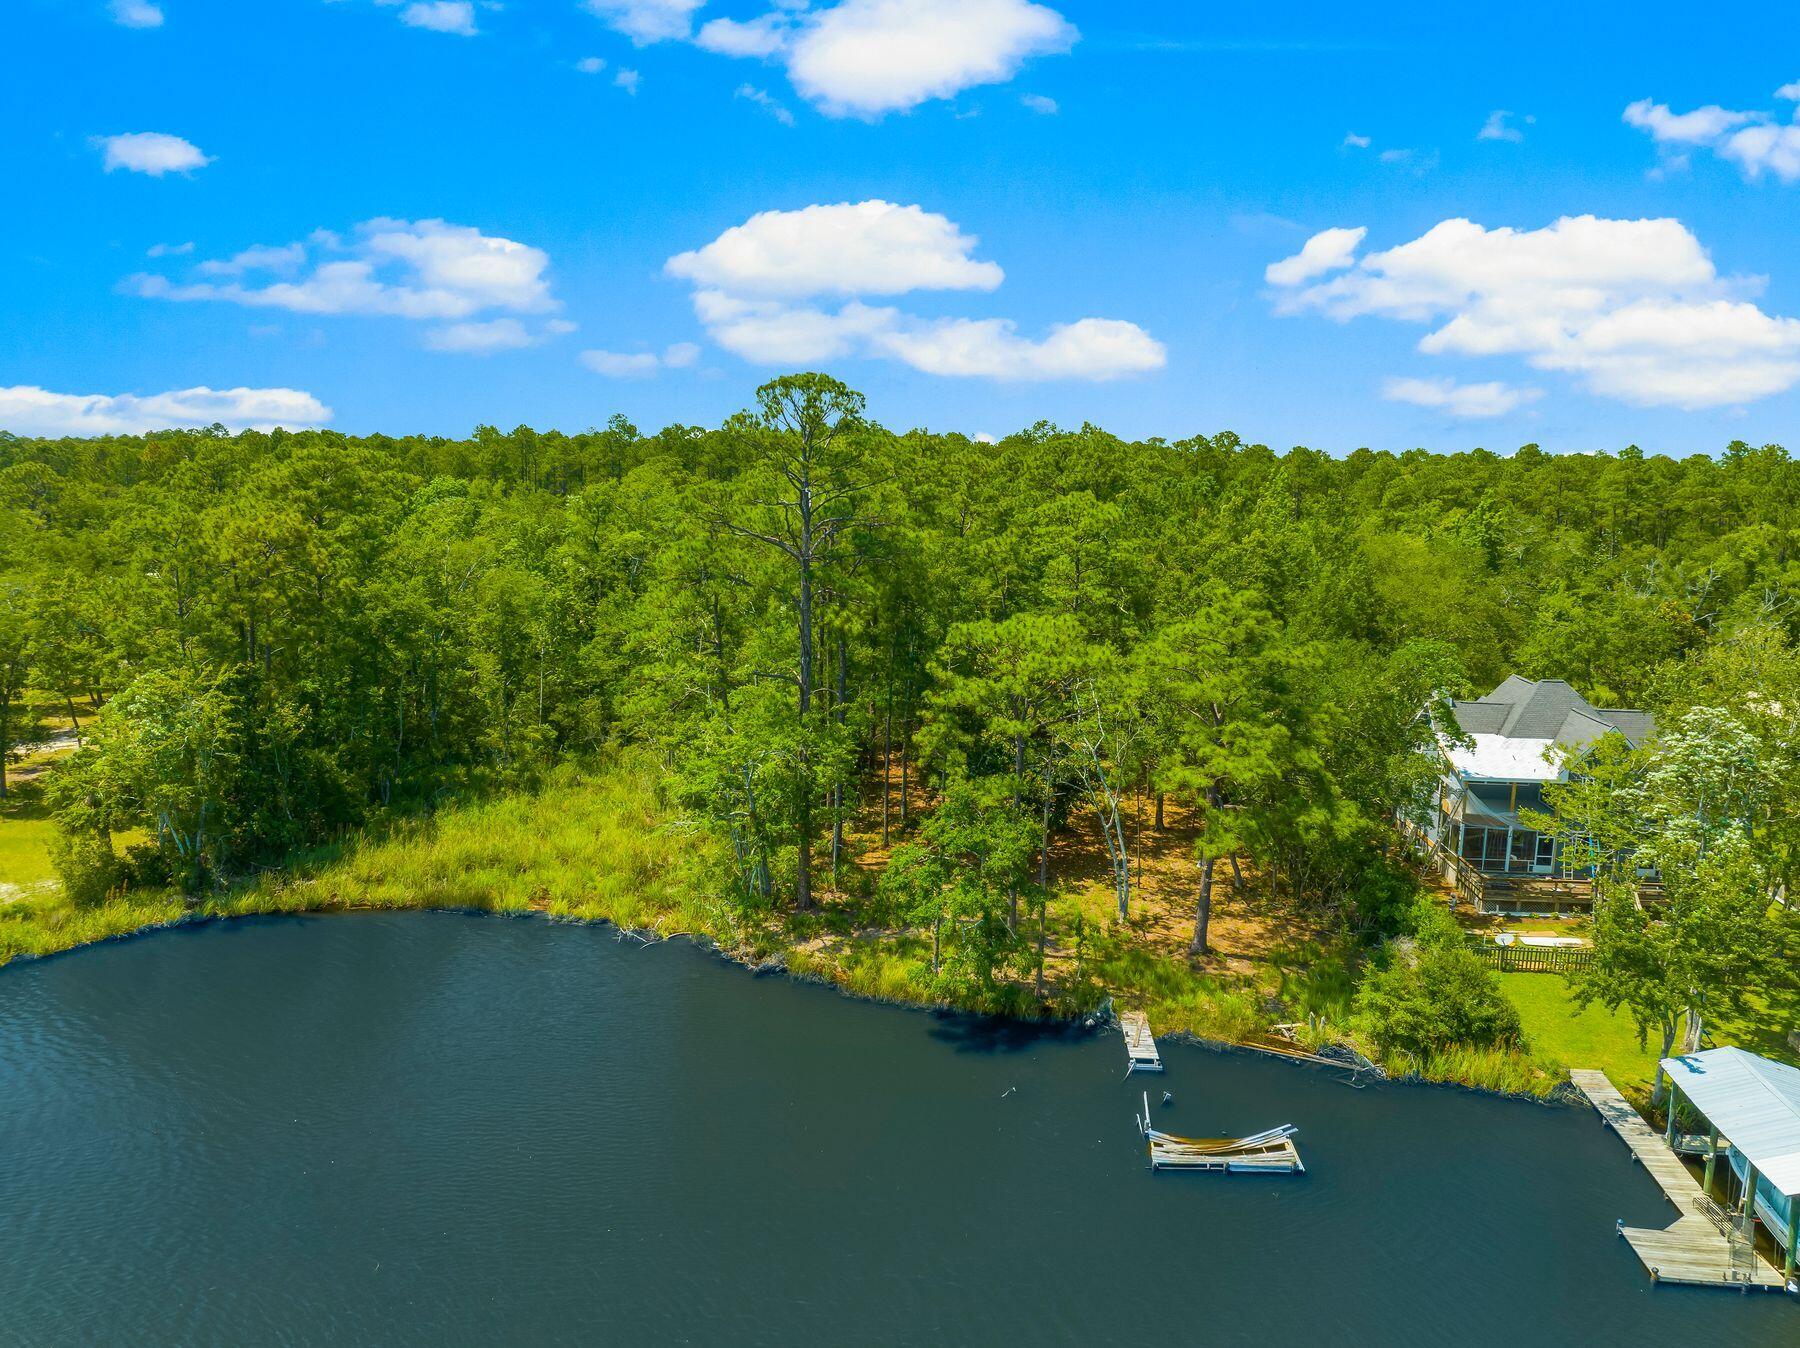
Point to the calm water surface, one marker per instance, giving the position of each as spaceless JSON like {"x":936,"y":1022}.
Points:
{"x":430,"y":1128}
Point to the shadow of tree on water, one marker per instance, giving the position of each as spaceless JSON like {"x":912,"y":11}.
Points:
{"x":997,"y":1034}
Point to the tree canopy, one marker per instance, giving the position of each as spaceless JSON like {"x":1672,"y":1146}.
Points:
{"x":267,"y":639}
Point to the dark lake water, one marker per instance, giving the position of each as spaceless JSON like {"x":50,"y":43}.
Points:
{"x":441,"y":1129}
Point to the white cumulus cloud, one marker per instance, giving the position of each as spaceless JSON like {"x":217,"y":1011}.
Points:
{"x":754,"y":38}
{"x":1633,"y":308}
{"x":1328,"y":250}
{"x":866,"y":58}
{"x":1757,"y":142}
{"x":1499,"y":126}
{"x":772,"y":332}
{"x":136,"y":14}
{"x":647,"y":21}
{"x":441,"y":16}
{"x":1699,"y":127}
{"x":425,"y":271}
{"x":640,"y":364}
{"x":151,"y":152}
{"x":1765,"y":148}
{"x":866,"y":248}
{"x":1490,"y":399}
{"x":27,"y":410}
{"x":1091,"y":348}
{"x":863,"y":58}
{"x":1040,"y":104}
{"x":761,"y":287}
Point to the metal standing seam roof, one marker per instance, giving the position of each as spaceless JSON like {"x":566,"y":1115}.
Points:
{"x":1753,"y":1101}
{"x":1500,"y":759}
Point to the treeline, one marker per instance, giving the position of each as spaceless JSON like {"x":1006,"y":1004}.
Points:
{"x":267,"y":639}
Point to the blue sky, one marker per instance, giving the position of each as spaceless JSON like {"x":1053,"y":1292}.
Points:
{"x":982,"y":213}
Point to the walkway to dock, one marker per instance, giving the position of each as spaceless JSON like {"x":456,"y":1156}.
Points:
{"x":1695,"y":1249}
{"x":1140,"y":1044}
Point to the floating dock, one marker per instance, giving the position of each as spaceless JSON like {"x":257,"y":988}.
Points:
{"x":1267,"y":1153}
{"x":1702,"y":1248}
{"x":1140,"y":1044}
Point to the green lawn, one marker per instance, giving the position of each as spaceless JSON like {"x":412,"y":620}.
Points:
{"x":1598,"y":1038}
{"x":1575,"y":1038}
{"x":26,"y":830}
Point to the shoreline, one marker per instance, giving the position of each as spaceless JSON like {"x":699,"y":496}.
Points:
{"x":601,"y":845}
{"x":1096,"y":1020}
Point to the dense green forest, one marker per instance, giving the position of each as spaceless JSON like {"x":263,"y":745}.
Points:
{"x":866,"y":662}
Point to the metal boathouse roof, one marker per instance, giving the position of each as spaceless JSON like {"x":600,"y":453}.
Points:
{"x":1753,"y":1101}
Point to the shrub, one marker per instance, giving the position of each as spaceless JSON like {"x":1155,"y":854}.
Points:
{"x":1443,"y":996}
{"x":1383,"y":897}
{"x":87,"y":868}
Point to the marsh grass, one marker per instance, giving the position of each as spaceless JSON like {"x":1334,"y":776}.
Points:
{"x":1509,"y":1071}
{"x":589,"y":845}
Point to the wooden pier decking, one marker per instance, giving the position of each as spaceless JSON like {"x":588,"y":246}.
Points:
{"x":1696,"y":1249}
{"x":1140,"y":1044}
{"x":1266,"y":1153}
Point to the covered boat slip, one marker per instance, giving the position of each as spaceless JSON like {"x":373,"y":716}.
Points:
{"x":1706,"y":1245}
{"x":1750,"y":1106}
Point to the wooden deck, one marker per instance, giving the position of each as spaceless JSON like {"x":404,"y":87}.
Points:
{"x":1696,"y":1249}
{"x":1140,"y":1044}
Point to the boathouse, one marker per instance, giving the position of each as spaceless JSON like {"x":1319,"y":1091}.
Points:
{"x":1750,"y":1108}
{"x":1495,"y":762}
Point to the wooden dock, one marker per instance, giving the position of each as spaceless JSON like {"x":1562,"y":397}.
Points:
{"x":1140,"y":1044}
{"x":1267,"y":1153}
{"x":1702,"y":1247}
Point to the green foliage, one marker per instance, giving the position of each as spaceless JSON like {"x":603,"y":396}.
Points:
{"x":1704,"y":808}
{"x":591,"y":844}
{"x":1441,"y":998}
{"x":972,"y":855}
{"x":275,"y":641}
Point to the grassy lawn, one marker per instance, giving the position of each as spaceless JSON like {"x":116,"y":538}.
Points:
{"x":1775,"y":1013}
{"x":1598,"y":1038}
{"x":1595,"y":1037}
{"x":26,"y":831}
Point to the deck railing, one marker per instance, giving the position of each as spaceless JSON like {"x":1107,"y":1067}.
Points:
{"x":1464,"y":878}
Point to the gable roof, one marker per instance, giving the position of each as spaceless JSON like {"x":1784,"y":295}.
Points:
{"x":1549,"y":710}
{"x":1753,"y":1101}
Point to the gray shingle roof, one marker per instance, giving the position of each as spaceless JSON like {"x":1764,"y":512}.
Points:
{"x":1548,"y":709}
